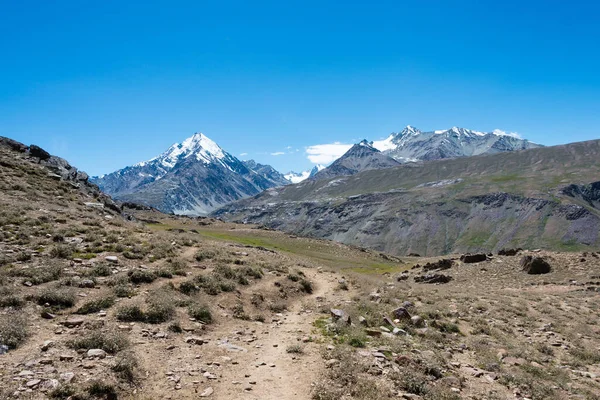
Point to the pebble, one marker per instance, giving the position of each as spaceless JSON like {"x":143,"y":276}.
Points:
{"x":99,"y":353}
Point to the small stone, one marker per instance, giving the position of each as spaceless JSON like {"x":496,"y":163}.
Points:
{"x":194,"y":340}
{"x":67,"y":377}
{"x":86,"y":283}
{"x":208,"y":375}
{"x":48,"y":344}
{"x":112,"y":259}
{"x":399,"y":332}
{"x":99,"y":353}
{"x":32,"y":383}
{"x":47,"y":315}
{"x":73,"y":322}
{"x":207,"y":392}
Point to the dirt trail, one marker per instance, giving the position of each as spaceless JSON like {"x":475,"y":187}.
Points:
{"x":247,"y":359}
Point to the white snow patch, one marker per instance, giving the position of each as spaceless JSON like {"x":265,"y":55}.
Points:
{"x":385,"y":144}
{"x":295,"y":177}
{"x":499,"y":132}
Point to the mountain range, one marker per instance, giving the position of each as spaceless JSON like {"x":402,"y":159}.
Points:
{"x":546,"y":197}
{"x":196,"y":176}
{"x":411,"y":144}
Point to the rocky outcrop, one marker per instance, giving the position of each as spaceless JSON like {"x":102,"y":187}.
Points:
{"x":60,"y":169}
{"x":587,"y":193}
{"x":535,"y":265}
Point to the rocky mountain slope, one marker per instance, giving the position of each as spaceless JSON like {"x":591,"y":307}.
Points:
{"x":361,"y":157}
{"x":411,"y":144}
{"x":190,"y":178}
{"x":481,"y":203}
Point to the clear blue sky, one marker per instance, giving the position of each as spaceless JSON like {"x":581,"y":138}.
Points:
{"x":108,"y":83}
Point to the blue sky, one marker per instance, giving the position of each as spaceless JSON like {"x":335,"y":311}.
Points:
{"x":107,"y":84}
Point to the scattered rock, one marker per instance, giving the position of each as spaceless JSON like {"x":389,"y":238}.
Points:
{"x":96,"y":353}
{"x":86,"y":283}
{"x":47,"y":345}
{"x":433,"y":278}
{"x":337,"y":314}
{"x":373,"y":332}
{"x":33,"y":383}
{"x":47,"y":315}
{"x":73,"y":322}
{"x":401,"y":313}
{"x":416,"y":321}
{"x":535,"y":265}
{"x":473,"y":258}
{"x":207,"y":392}
{"x":442,"y":264}
{"x":195,"y":340}
{"x":399,"y":332}
{"x":67,"y":377}
{"x":509,"y":252}
{"x":112,"y":259}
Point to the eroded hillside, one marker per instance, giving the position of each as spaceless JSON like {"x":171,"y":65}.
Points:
{"x":483,"y":203}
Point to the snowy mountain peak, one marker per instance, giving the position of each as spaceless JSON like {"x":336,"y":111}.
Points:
{"x":412,"y":144}
{"x":199,"y":145}
{"x":410,"y":130}
{"x":365,"y":143}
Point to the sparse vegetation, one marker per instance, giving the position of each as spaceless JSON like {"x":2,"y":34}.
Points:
{"x":200,"y":313}
{"x":14,"y":330}
{"x":58,"y":297}
{"x":110,"y":341}
{"x":94,"y":306}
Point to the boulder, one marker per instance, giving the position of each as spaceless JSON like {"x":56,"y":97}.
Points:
{"x":86,"y":283}
{"x":195,"y":340}
{"x":73,"y":322}
{"x":401,"y":313}
{"x":442,"y":264}
{"x":96,"y":353}
{"x":473,"y":258}
{"x":535,"y":265}
{"x":337,"y":314}
{"x":13,"y":144}
{"x":509,"y":252}
{"x":433,"y":278}
{"x":38,"y":152}
{"x":112,"y":259}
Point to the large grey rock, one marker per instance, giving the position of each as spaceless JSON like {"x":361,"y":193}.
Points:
{"x":535,"y":265}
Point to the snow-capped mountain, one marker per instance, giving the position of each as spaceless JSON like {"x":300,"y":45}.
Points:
{"x":411,"y":144}
{"x":361,"y":157}
{"x":192,"y":177}
{"x":295,"y":177}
